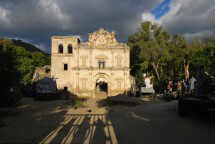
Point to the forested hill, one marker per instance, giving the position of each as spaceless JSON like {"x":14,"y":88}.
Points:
{"x":21,"y":58}
{"x":27,"y":46}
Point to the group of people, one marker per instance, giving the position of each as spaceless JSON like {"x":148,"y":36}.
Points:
{"x":175,"y":88}
{"x":181,"y":86}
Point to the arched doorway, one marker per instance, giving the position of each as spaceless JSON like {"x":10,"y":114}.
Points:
{"x":101,"y":88}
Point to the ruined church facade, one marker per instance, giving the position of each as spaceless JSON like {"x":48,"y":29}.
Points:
{"x":100,"y":65}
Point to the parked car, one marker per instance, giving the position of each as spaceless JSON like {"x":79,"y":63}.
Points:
{"x":201,"y":100}
{"x":45,"y":88}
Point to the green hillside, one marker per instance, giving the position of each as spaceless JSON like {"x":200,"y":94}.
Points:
{"x":27,"y":46}
{"x":26,"y":57}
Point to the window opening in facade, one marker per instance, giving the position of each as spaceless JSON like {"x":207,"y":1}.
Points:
{"x":60,"y":48}
{"x":101,"y":64}
{"x":70,"y":49}
{"x":65,"y":67}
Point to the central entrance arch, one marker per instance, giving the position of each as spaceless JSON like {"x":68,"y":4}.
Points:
{"x":101,"y":85}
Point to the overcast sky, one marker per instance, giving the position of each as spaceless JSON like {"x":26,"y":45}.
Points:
{"x":36,"y":21}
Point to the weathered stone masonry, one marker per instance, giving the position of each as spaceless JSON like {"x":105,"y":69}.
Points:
{"x":84,"y":67}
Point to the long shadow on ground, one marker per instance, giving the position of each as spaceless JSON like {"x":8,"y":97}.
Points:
{"x":31,"y":121}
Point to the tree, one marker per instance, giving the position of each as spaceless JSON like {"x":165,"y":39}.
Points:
{"x":205,"y":56}
{"x":178,"y":56}
{"x":148,"y":46}
{"x":40,"y":59}
{"x":168,"y":56}
{"x":9,"y":76}
{"x":25,"y":61}
{"x":17,"y":65}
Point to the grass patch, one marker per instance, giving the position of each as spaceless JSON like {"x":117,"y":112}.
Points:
{"x":78,"y":103}
{"x":75,"y":103}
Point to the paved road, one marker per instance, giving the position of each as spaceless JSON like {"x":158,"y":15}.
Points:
{"x":146,"y":124}
{"x":160,"y":124}
{"x":156,"y":123}
{"x":83,"y":129}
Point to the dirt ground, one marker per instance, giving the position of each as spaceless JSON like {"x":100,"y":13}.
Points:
{"x":148,"y":123}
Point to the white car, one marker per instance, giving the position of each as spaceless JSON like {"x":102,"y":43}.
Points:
{"x":145,"y":90}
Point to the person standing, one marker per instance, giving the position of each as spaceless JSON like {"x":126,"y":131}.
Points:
{"x":179,"y":88}
{"x":192,"y":84}
{"x":170,"y":86}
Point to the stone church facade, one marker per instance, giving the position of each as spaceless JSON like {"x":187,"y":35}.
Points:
{"x":87,"y":68}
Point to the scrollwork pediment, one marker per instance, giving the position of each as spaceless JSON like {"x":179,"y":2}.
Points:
{"x":102,"y":38}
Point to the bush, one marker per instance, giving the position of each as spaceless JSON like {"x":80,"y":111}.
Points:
{"x":11,"y":97}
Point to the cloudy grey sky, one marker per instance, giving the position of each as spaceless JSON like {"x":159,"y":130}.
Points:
{"x":36,"y":21}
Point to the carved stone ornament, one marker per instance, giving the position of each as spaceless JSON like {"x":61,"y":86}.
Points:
{"x":102,"y":38}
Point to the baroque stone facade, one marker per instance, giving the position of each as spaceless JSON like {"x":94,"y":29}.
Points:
{"x":87,"y":68}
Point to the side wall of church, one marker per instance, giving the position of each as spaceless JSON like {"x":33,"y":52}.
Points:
{"x":63,"y":77}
